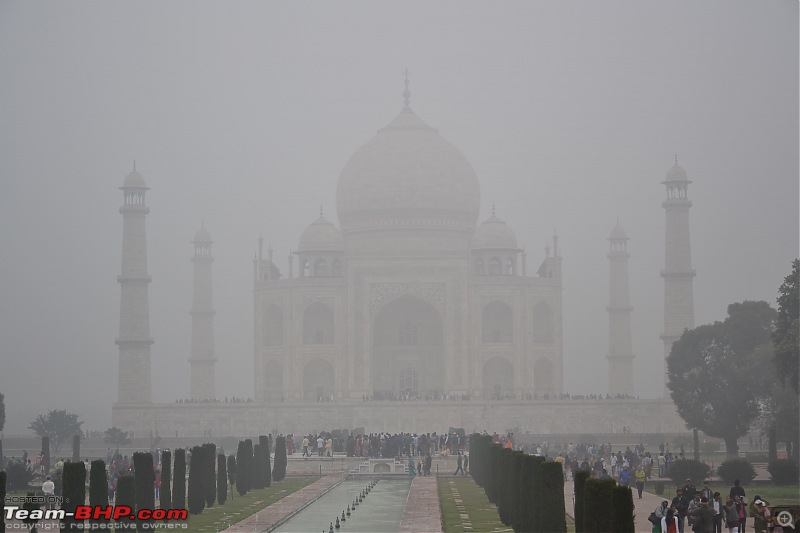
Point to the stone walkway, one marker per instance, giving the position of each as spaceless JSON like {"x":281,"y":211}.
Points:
{"x":642,"y":508}
{"x":279,"y":512}
{"x":422,"y":513}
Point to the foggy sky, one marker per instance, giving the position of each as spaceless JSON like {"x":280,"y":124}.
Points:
{"x":242,"y":114}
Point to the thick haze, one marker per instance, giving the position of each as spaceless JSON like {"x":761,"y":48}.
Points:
{"x":243,"y":115}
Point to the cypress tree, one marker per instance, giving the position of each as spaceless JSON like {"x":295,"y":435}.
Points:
{"x":534,"y":503}
{"x":249,"y":470}
{"x":550,"y":496}
{"x":241,"y":468}
{"x":622,"y":505}
{"x":279,"y":469}
{"x":76,"y":448}
{"x":519,"y":492}
{"x":145,"y":476}
{"x":505,"y":488}
{"x":597,"y":505}
{"x":579,"y":479}
{"x":258,"y":466}
{"x":210,"y":478}
{"x":46,"y":452}
{"x":74,"y":491}
{"x":197,"y":473}
{"x":179,"y":480}
{"x":265,"y":441}
{"x":126,"y":492}
{"x":165,"y":497}
{"x":2,"y":495}
{"x":222,"y":480}
{"x":231,"y":472}
{"x":98,"y":486}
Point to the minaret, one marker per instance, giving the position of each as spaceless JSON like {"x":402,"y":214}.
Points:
{"x":134,"y":310}
{"x":620,"y":355}
{"x":678,"y":273}
{"x":201,"y":360}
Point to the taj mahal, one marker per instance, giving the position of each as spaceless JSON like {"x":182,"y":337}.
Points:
{"x":412,"y":315}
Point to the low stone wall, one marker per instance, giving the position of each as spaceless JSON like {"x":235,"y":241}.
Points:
{"x":540,"y":417}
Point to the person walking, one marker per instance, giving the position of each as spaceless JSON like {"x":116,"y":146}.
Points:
{"x":640,"y":478}
{"x":459,"y":464}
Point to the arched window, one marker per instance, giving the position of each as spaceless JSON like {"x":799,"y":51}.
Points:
{"x":320,"y":268}
{"x":510,"y":267}
{"x":479,"y":268}
{"x":497,"y":323}
{"x":337,"y":268}
{"x":543,"y":323}
{"x":272,"y":326}
{"x":498,"y":378}
{"x":495,"y":267}
{"x":306,"y":269}
{"x":318,"y":324}
{"x":409,"y":334}
{"x":409,"y":381}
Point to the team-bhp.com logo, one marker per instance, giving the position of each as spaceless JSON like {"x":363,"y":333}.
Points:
{"x":98,"y":512}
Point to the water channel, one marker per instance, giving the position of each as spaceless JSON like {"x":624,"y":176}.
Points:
{"x":380,"y":511}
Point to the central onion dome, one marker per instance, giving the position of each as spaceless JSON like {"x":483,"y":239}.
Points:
{"x":408,"y":176}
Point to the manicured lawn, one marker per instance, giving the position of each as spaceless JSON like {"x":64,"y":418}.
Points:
{"x":220,"y":517}
{"x":482,"y":514}
{"x":774,"y":494}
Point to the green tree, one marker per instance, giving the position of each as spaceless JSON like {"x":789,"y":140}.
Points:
{"x":714,"y":371}
{"x":116,"y":437}
{"x":58,"y":425}
{"x":787,"y":324}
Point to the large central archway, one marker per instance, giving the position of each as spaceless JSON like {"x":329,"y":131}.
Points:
{"x":407,"y":347}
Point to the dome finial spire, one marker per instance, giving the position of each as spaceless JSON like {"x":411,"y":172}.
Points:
{"x":134,"y":165}
{"x":320,"y":210}
{"x":406,"y":93}
{"x":493,"y":209}
{"x":676,"y":158}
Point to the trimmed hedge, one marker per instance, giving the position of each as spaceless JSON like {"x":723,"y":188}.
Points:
{"x":734,"y":469}
{"x":232,"y":472}
{"x":165,"y":495}
{"x":551,"y":498}
{"x":179,"y":480}
{"x":73,"y":491}
{"x":145,"y":476}
{"x":126,"y":491}
{"x":579,"y":480}
{"x":98,"y":485}
{"x":241,"y":468}
{"x":622,"y":505}
{"x":688,"y":468}
{"x":2,"y":496}
{"x":222,"y":480}
{"x":597,"y":505}
{"x":279,"y":468}
{"x":197,"y":473}
{"x":210,"y":478}
{"x":784,"y":472}
{"x":264,"y":441}
{"x":250,"y":470}
{"x":258,"y":466}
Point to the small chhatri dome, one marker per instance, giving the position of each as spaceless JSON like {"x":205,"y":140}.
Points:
{"x":676,"y":174}
{"x":618,"y":233}
{"x":134,"y":180}
{"x":321,"y":235}
{"x":494,"y":234}
{"x":202,"y":235}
